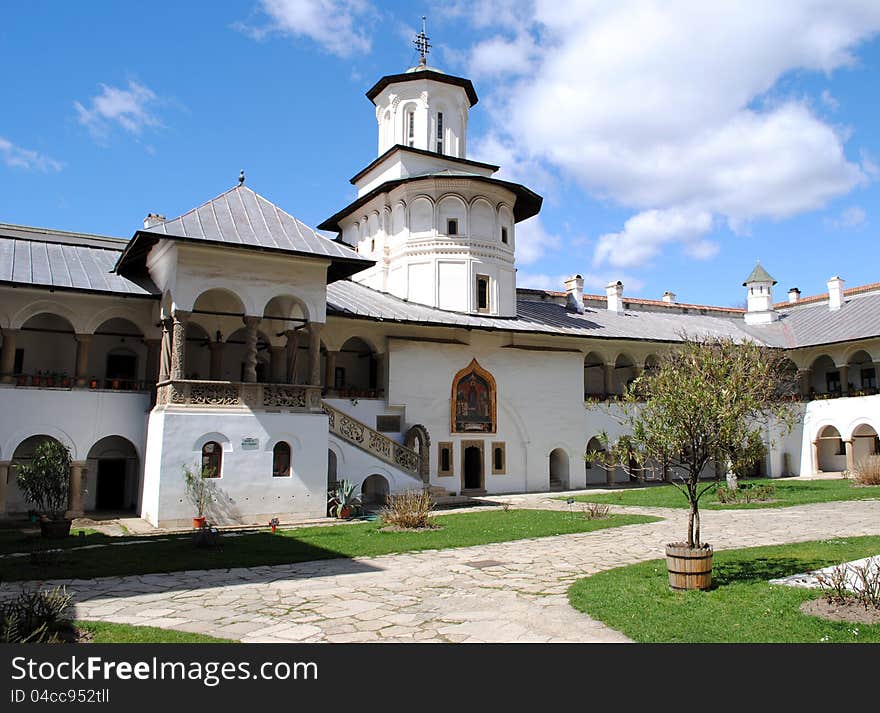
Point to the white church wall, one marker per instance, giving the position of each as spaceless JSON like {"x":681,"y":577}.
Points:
{"x":249,"y":493}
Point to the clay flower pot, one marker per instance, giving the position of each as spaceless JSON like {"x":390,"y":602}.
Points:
{"x":199,"y":522}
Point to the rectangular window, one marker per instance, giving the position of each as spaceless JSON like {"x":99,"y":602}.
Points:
{"x":388,"y":424}
{"x":499,"y":459}
{"x":439,"y":132}
{"x":444,"y":459}
{"x":869,"y":378}
{"x":504,"y":235}
{"x":339,"y":377}
{"x":832,"y":381}
{"x":18,"y":367}
{"x":482,"y":293}
{"x":411,"y":128}
{"x":452,"y":226}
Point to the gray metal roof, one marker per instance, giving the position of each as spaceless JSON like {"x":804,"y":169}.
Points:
{"x":63,"y":260}
{"x":347,"y":298}
{"x":244,"y":218}
{"x":815,"y":324}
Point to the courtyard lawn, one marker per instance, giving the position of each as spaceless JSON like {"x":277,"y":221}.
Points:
{"x":786,"y":493}
{"x":106,"y":633}
{"x":172,"y":554}
{"x":16,"y":540}
{"x":741,"y":608}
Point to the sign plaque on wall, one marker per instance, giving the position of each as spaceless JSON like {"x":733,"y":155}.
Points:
{"x":250,"y":444}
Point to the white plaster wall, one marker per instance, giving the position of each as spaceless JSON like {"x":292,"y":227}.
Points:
{"x":403,"y":164}
{"x":249,"y":493}
{"x":845,"y":414}
{"x":78,"y":418}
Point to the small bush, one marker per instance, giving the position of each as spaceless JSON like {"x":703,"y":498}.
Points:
{"x":745,"y":493}
{"x":596,"y":511}
{"x":867,"y":471}
{"x":34,"y":617}
{"x":852,"y":582}
{"x":410,"y":510}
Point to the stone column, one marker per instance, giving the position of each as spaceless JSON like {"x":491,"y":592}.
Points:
{"x":315,"y":329}
{"x":216,"y":371}
{"x":609,"y":379}
{"x":82,"y":358}
{"x":178,"y":345}
{"x":381,"y":385}
{"x":7,"y":355}
{"x":850,"y":460}
{"x":77,"y":470}
{"x":844,"y":379}
{"x":330,"y":371}
{"x":151,"y":368}
{"x":816,"y":469}
{"x":292,"y":351}
{"x":165,"y":351}
{"x":250,"y":346}
{"x":610,"y":469}
{"x":277,"y":364}
{"x":4,"y":476}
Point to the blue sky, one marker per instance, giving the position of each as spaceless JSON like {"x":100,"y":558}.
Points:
{"x":674,"y":143}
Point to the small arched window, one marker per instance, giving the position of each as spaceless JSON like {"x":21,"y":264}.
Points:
{"x":212,"y":459}
{"x":281,"y":460}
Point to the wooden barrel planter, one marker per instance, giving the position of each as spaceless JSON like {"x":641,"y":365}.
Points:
{"x":689,"y":567}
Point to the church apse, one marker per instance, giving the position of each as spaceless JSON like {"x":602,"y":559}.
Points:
{"x":473,"y":400}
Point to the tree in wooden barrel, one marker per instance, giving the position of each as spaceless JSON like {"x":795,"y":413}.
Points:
{"x":706,"y":402}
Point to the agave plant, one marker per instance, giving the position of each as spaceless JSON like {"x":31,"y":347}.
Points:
{"x":343,"y":499}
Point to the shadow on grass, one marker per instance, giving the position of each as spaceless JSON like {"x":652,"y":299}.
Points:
{"x":759,"y":569}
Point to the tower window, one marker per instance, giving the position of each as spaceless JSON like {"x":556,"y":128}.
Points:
{"x":452,"y":226}
{"x":444,"y":466}
{"x":439,"y":132}
{"x":499,"y":466}
{"x":212,"y":460}
{"x":281,"y":460}
{"x":504,"y":235}
{"x":410,"y":128}
{"x":482,"y":293}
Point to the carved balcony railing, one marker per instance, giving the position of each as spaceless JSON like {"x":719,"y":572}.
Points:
{"x":361,"y":435}
{"x":237,"y":394}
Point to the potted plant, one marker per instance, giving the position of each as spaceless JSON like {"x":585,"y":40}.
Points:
{"x":45,"y":482}
{"x":37,"y":379}
{"x":50,"y":379}
{"x":707,"y":402}
{"x":200,"y":492}
{"x":21,"y":380}
{"x":343,"y":500}
{"x":65,"y":380}
{"x":93,"y":383}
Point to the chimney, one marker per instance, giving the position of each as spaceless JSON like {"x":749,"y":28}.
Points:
{"x":153,"y":219}
{"x":614,"y":291}
{"x":574,"y":289}
{"x":835,"y":293}
{"x":794,"y":294}
{"x":669,"y":297}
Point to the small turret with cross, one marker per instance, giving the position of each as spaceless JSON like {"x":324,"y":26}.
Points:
{"x":422,"y":43}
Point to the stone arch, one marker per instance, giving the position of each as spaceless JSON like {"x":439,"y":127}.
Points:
{"x":625,"y":371}
{"x":830,"y":450}
{"x":21,"y":451}
{"x":139,"y":321}
{"x":356,"y":369}
{"x":235,"y":353}
{"x":398,"y":218}
{"x":418,"y":439}
{"x":861,"y":372}
{"x":375,"y":490}
{"x":113,"y":474}
{"x":865,"y":441}
{"x":288,"y":306}
{"x":474,"y":400}
{"x":558,"y":469}
{"x":452,"y":206}
{"x":594,"y":375}
{"x":34,"y":309}
{"x":822,"y":375}
{"x":595,"y":472}
{"x":49,"y":346}
{"x":483,"y":220}
{"x":421,"y":215}
{"x":117,"y":352}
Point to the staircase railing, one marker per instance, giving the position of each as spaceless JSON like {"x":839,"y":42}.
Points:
{"x":369,"y":439}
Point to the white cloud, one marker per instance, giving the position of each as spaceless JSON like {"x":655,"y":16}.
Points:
{"x":533,"y":241}
{"x":829,"y":101}
{"x":18,"y":157}
{"x":669,"y":109}
{"x":540,"y":280}
{"x":645,"y":234}
{"x":336,"y":25}
{"x":130,"y":108}
{"x":852,"y":217}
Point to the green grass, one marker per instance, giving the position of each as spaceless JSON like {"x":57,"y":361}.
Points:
{"x":305,"y":544}
{"x":17,"y":540}
{"x":787,"y":493}
{"x":741,"y":608}
{"x":106,"y":633}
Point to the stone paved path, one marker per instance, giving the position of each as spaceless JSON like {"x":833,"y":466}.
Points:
{"x":513,"y":591}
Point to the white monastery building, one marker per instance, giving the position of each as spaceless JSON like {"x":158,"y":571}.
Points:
{"x":397,"y":355}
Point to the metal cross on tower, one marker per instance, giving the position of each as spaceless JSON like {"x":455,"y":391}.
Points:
{"x":422,"y":44}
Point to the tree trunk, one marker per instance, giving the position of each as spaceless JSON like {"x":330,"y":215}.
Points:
{"x":695,"y":515}
{"x":691,"y":526}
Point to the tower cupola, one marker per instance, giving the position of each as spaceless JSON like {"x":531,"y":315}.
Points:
{"x":760,"y":297}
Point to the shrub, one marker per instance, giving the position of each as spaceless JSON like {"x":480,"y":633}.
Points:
{"x":852,"y":582}
{"x":867,"y":471}
{"x":34,"y":616}
{"x":343,"y":500}
{"x":410,"y":510}
{"x":745,"y":493}
{"x":596,"y":511}
{"x":199,"y":488}
{"x":45,"y":481}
